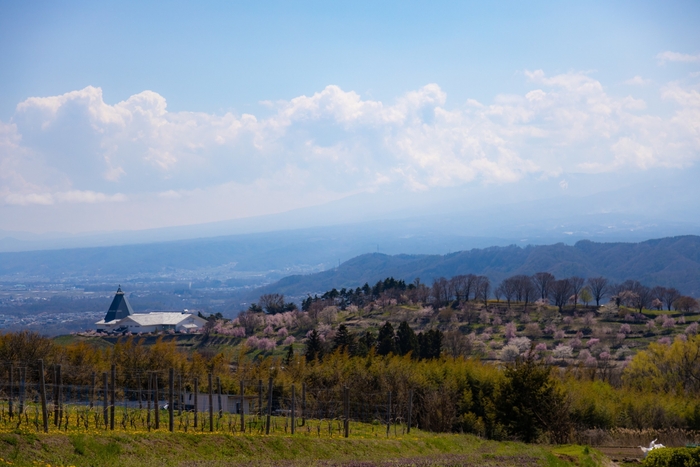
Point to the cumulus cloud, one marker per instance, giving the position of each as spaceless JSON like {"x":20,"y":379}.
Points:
{"x":638,"y":81}
{"x":75,"y":148}
{"x":669,"y":56}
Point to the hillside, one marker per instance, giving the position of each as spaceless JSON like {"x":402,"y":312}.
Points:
{"x":670,"y":262}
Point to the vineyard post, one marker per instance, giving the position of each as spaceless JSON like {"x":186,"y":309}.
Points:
{"x":346,"y":403}
{"x":410,"y":407}
{"x":294,"y":403}
{"x":180,"y":397}
{"x":218,"y":388}
{"x":55,"y":395}
{"x":156,"y":406}
{"x":303,"y":404}
{"x":138,"y":382}
{"x":105,"y":412}
{"x":211,"y":403}
{"x":171,"y":397}
{"x":12,"y":388}
{"x":60,"y":395}
{"x":42,"y":391}
{"x":92,"y":389}
{"x":149,"y":387}
{"x":112,"y":389}
{"x":22,"y":388}
{"x":196,"y":400}
{"x":388,"y":414}
{"x":269,"y":405}
{"x":260,"y":399}
{"x":242,"y":408}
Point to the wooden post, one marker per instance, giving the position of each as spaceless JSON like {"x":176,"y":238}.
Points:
{"x":22,"y":388}
{"x":156,"y":406}
{"x":269,"y":406}
{"x":410,"y":407}
{"x":140,"y":394}
{"x":60,"y":395}
{"x":92,"y":389}
{"x":211,"y":403}
{"x":260,"y":412}
{"x":294,"y":403}
{"x":180,"y":398}
{"x":55,"y":396}
{"x":242,"y":408}
{"x":346,"y":403}
{"x":171,"y":399}
{"x":112,"y":389}
{"x":303,"y":404}
{"x":149,"y":387}
{"x":12,"y":389}
{"x":105,"y":412}
{"x":388,"y":414}
{"x":196,"y":402}
{"x":42,"y":392}
{"x":218,"y":385}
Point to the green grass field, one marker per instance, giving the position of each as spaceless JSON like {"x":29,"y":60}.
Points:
{"x":101,"y":448}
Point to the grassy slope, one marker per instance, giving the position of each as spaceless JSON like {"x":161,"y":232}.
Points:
{"x":150,"y":449}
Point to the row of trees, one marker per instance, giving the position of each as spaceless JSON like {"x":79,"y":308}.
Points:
{"x":520,"y":288}
{"x":403,"y":341}
{"x":520,"y":400}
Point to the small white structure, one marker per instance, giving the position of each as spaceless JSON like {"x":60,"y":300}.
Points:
{"x":121,"y":318}
{"x":229,"y":403}
{"x":161,"y":321}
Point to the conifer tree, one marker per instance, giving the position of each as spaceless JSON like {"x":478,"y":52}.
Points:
{"x":343,"y":340}
{"x":289,"y":358}
{"x":314,"y":347}
{"x":406,"y":340}
{"x":386,"y":340}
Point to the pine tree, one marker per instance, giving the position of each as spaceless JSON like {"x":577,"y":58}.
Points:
{"x":289,"y":358}
{"x":386,"y":341}
{"x":406,"y":340}
{"x":343,"y":340}
{"x":314,"y":347}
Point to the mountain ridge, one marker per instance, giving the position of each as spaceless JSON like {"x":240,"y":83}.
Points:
{"x":670,"y":261}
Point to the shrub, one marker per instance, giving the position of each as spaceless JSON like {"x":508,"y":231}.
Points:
{"x":673,"y":457}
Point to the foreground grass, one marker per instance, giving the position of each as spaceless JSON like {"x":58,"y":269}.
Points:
{"x":203,"y":449}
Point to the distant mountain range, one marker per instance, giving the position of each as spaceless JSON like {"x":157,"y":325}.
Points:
{"x":673,"y":261}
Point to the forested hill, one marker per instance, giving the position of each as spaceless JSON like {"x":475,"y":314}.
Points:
{"x":673,"y":261}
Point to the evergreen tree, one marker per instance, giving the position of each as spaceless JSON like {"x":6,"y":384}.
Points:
{"x":289,"y":358}
{"x":406,"y":340}
{"x":314,"y":347}
{"x":365,"y":344}
{"x":343,"y":340}
{"x":386,"y":340}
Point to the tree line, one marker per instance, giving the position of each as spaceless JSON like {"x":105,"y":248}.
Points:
{"x":521,"y":288}
{"x":403,"y":341}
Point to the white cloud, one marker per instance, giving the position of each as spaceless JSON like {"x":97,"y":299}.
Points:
{"x":75,"y":148}
{"x":638,"y":81}
{"x":669,"y":56}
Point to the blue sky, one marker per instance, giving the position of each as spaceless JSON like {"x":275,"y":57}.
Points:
{"x":178,"y":113}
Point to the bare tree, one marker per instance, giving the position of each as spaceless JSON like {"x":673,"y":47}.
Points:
{"x":527,"y":289}
{"x":509,"y":289}
{"x":440,"y":292}
{"x":272,"y":303}
{"x":543,"y":281}
{"x":669,"y":296}
{"x":576,"y":285}
{"x":599,"y":287}
{"x":483,"y":289}
{"x":560,"y":292}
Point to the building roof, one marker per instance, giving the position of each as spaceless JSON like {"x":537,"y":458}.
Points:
{"x":160,"y":318}
{"x":119,"y":308}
